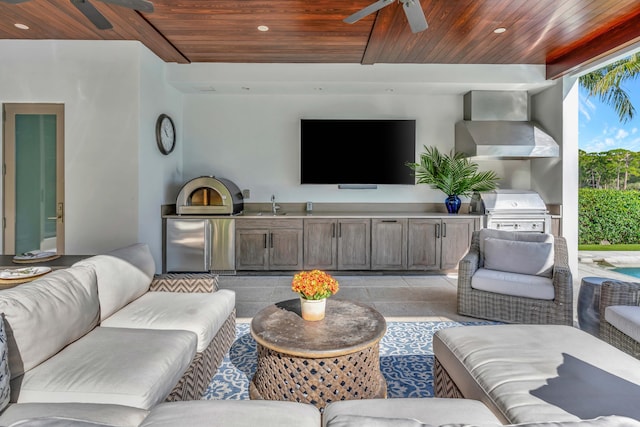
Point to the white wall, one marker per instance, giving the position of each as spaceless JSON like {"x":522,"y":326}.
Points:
{"x":546,"y":173}
{"x":159,"y":176}
{"x":570,"y":184}
{"x":254,"y":140}
{"x":115,"y":179}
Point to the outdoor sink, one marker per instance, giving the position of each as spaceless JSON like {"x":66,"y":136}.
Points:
{"x":271,"y":214}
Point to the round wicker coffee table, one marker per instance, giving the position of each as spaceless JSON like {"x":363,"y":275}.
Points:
{"x":318,"y":362}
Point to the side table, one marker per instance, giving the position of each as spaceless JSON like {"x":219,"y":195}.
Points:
{"x":589,"y":304}
{"x":336,"y":358}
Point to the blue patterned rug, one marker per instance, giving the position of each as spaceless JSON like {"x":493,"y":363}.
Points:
{"x":406,"y":361}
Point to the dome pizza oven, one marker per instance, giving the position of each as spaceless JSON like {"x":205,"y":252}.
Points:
{"x":208,"y":195}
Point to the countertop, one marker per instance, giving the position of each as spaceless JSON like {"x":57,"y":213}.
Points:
{"x":330,"y":214}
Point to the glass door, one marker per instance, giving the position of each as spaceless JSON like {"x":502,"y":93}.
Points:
{"x":34,"y":178}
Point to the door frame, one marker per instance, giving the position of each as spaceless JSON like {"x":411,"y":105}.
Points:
{"x":9,"y":111}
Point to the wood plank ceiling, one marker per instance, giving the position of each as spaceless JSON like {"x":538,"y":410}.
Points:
{"x":560,"y":34}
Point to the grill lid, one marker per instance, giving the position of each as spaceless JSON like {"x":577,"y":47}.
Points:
{"x":503,"y":201}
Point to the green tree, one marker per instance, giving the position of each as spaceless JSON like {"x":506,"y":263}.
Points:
{"x":606,"y":84}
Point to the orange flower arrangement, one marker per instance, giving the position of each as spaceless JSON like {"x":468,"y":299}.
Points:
{"x":314,"y":284}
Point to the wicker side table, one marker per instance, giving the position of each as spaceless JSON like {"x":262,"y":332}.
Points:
{"x":318,"y":362}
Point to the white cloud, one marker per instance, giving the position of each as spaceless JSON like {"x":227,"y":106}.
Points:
{"x":586,"y":107}
{"x":609,"y":142}
{"x":622,"y":134}
{"x":634,"y":130}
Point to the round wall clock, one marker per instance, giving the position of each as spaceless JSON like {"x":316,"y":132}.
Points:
{"x":165,"y":134}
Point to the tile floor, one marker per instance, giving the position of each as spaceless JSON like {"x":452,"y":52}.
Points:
{"x":427,"y":297}
{"x":410,"y":297}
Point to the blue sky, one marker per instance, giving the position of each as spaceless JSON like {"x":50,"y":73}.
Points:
{"x":599,"y":126}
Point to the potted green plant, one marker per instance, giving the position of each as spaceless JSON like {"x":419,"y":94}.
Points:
{"x":453,"y":174}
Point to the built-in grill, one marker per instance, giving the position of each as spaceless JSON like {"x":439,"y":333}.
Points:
{"x":512,"y":210}
{"x":208,"y":195}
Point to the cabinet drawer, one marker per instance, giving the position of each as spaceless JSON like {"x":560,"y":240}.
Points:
{"x":242,"y":223}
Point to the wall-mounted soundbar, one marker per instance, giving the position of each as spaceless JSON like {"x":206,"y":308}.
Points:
{"x":358,"y":186}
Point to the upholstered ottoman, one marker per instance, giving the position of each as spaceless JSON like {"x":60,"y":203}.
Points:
{"x":527,"y":373}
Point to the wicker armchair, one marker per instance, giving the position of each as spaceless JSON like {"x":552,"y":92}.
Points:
{"x":613,"y":293}
{"x":516,"y":309}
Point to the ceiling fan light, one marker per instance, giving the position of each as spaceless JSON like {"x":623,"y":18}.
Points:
{"x":21,"y":26}
{"x":499,"y":30}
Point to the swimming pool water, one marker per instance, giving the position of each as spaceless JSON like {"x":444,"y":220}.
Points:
{"x":629,"y":271}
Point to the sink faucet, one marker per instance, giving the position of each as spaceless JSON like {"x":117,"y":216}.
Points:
{"x":274,"y":207}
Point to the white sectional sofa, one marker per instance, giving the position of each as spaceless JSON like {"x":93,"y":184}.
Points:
{"x":95,"y":333}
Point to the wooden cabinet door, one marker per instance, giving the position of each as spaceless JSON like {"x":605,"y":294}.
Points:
{"x":456,"y":239}
{"x":389,"y":244}
{"x":320,"y":248}
{"x":285,"y":249}
{"x":251,"y":249}
{"x":423,"y":244}
{"x":354,"y":244}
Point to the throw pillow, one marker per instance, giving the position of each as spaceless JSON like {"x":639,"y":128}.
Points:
{"x":5,"y":375}
{"x":532,"y":258}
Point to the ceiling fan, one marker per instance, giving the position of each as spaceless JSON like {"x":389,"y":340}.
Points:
{"x":96,"y":17}
{"x":412,"y":8}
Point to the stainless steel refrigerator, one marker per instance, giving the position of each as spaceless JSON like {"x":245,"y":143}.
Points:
{"x":199,"y":245}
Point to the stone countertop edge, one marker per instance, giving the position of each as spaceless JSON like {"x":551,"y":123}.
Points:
{"x":298,"y":215}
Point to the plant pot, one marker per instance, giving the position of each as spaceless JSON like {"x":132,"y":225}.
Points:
{"x":453,"y":204}
{"x":312,"y":309}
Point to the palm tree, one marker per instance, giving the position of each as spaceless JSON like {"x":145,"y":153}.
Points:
{"x":605,"y":83}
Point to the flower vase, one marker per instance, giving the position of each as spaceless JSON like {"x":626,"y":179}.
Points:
{"x":312,"y":309}
{"x":453,"y":204}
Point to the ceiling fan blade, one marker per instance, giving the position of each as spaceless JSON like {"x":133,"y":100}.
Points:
{"x":92,"y":14}
{"x":13,"y":1}
{"x":141,"y":5}
{"x":367,"y":11}
{"x":415,"y":15}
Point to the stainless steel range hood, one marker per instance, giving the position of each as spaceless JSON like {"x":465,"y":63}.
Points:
{"x":497,"y":125}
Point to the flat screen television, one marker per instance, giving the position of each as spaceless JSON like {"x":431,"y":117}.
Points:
{"x":357,"y":151}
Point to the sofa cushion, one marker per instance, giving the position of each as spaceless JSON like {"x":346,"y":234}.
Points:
{"x":43,"y":316}
{"x":534,"y":258}
{"x":533,"y":373}
{"x":58,"y":422}
{"x":123,"y":275}
{"x":115,"y":415}
{"x":131,"y":367}
{"x":364,"y":420}
{"x":360,"y":421}
{"x":625,"y":318}
{"x":521,"y":285}
{"x":202,"y":314}
{"x":247,"y":413}
{"x":5,"y":375}
{"x":434,"y":410}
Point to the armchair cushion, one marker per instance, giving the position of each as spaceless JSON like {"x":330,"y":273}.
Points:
{"x":516,"y":284}
{"x":533,"y":258}
{"x":626,"y":318}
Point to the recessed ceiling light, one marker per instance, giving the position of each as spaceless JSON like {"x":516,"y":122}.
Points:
{"x":21,"y":26}
{"x":499,"y":30}
{"x":263,"y":28}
